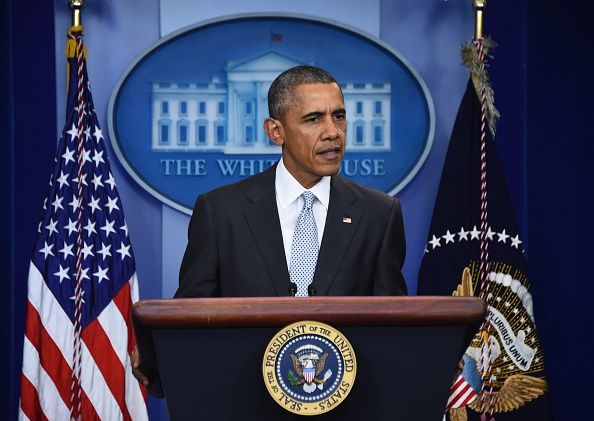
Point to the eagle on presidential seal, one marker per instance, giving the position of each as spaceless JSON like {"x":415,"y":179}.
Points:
{"x":308,"y":364}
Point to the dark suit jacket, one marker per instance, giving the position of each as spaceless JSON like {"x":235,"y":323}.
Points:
{"x":235,"y":245}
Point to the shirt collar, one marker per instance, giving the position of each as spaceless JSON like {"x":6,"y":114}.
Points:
{"x":288,"y":188}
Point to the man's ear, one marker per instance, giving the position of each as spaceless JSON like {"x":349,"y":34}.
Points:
{"x":274,"y":130}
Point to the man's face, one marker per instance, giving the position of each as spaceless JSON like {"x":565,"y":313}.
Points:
{"x":312,"y":132}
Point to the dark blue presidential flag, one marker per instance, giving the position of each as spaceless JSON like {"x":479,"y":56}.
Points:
{"x":82,"y":279}
{"x":474,"y":248}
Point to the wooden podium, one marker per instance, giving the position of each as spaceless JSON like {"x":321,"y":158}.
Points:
{"x":204,"y":355}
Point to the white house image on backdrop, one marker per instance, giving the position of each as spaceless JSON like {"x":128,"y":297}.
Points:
{"x":227,"y":117}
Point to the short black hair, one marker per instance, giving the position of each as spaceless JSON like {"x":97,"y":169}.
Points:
{"x":280,"y":94}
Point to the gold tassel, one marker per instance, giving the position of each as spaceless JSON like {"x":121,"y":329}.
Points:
{"x":71,"y":43}
{"x":70,"y":50}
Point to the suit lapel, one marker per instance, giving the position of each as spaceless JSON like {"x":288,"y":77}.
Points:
{"x":261,"y":214}
{"x":341,"y":223}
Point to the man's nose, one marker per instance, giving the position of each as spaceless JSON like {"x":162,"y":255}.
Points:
{"x":331,"y":129}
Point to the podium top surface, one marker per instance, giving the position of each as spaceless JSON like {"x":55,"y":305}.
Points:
{"x":280,"y":311}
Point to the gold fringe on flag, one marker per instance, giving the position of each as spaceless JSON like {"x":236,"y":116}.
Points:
{"x":480,"y":78}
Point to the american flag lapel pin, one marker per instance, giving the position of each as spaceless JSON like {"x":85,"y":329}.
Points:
{"x":347,"y":219}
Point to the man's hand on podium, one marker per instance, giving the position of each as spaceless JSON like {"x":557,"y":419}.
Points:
{"x":136,"y":371}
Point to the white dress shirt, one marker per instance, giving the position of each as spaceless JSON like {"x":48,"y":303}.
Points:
{"x":290,"y":203}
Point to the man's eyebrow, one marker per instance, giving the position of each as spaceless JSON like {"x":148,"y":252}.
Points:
{"x":320,"y":113}
{"x":312,"y":114}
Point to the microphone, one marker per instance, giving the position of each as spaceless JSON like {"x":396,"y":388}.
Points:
{"x":292,"y":288}
{"x":311,"y":290}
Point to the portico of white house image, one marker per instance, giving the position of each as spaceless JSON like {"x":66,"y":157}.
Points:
{"x":226,"y":116}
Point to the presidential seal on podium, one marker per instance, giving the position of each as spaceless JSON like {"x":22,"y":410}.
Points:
{"x":309,"y":368}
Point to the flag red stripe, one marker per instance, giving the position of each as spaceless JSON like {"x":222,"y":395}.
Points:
{"x":468,"y":399}
{"x":87,"y":408}
{"x":50,"y":356}
{"x":459,"y":393}
{"x":123,"y":301}
{"x":30,"y":401}
{"x":455,"y":394}
{"x":108,"y":362}
{"x":463,"y":399}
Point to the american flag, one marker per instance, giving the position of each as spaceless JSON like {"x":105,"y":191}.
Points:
{"x":82,"y":280}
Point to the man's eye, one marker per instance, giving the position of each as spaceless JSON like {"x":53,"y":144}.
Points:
{"x":313,"y":119}
{"x":340,"y":116}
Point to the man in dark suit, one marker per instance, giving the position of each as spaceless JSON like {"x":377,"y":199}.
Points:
{"x":247,"y":239}
{"x":240,"y":236}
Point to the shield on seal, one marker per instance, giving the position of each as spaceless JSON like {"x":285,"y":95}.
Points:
{"x":309,"y":373}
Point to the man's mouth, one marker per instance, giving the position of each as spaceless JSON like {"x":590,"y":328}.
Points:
{"x":330,"y":153}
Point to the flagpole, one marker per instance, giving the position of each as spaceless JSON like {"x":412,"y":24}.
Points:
{"x":76,"y":8}
{"x":478,"y":6}
{"x":486,"y":399}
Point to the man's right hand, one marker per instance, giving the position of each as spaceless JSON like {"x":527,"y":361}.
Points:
{"x":136,"y":371}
